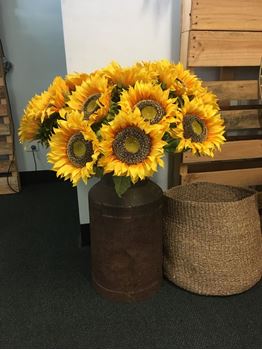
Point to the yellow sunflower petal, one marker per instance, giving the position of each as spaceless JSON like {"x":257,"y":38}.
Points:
{"x":59,"y":92}
{"x":126,"y":76}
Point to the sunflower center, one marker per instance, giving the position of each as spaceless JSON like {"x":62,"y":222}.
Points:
{"x":151,"y":110}
{"x":79,"y":151}
{"x":197,"y":127}
{"x":79,"y":148}
{"x":132,"y":145}
{"x":194,"y":128}
{"x":91,"y":105}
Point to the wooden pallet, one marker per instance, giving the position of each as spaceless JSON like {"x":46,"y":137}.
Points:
{"x":225,"y":34}
{"x":9,"y":177}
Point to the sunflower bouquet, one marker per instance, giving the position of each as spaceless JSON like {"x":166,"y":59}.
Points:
{"x":121,"y":120}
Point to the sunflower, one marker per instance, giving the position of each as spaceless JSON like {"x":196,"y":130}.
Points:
{"x":34,"y":114}
{"x":75,"y":79}
{"x":29,"y":127}
{"x":92,"y":97}
{"x":131,"y":147}
{"x":155,"y":105}
{"x":38,"y":105}
{"x":163,"y":71}
{"x":174,"y":77}
{"x":199,"y":128}
{"x":185,"y":82}
{"x":59,"y":92}
{"x":74,"y":149}
{"x":207,"y":97}
{"x":124,"y":77}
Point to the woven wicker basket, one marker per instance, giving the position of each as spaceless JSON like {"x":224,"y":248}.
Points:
{"x":212,"y":238}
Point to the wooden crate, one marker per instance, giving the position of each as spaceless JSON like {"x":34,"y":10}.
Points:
{"x":225,"y":34}
{"x":221,"y":48}
{"x":239,"y":15}
{"x":9,"y":177}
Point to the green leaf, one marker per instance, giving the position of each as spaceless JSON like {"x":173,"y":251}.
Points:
{"x":180,"y":101}
{"x":172,"y":94}
{"x":163,"y":86}
{"x":122,"y":184}
{"x":166,"y":137}
{"x":115,"y":96}
{"x":171,"y":146}
{"x":46,"y":129}
{"x":99,"y":171}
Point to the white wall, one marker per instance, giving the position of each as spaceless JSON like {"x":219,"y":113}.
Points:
{"x":32,"y":35}
{"x":99,"y":31}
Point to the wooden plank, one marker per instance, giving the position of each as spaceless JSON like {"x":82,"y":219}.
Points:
{"x":6,"y":120}
{"x":5,"y":166}
{"x":2,"y":92}
{"x":3,"y":110}
{"x":9,"y":139}
{"x":186,"y":20}
{"x":4,"y":129}
{"x":259,"y":198}
{"x":243,"y":15}
{"x":7,"y":159}
{"x":238,"y":177}
{"x":14,"y":182}
{"x":184,"y":49}
{"x":242,"y":119}
{"x":234,"y":90}
{"x":221,"y":49}
{"x":248,"y":149}
{"x":6,"y":148}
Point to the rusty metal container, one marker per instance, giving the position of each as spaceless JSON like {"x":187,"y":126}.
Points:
{"x":126,"y":240}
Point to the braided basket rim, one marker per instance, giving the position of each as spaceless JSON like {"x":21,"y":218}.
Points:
{"x":170,"y":194}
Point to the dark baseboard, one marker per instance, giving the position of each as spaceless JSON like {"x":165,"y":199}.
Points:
{"x":37,"y":177}
{"x":85,"y":234}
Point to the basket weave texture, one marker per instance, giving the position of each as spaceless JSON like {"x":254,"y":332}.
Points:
{"x":212,"y":238}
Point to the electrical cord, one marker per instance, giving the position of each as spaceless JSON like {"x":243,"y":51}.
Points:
{"x":33,"y":148}
{"x":7,"y":177}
